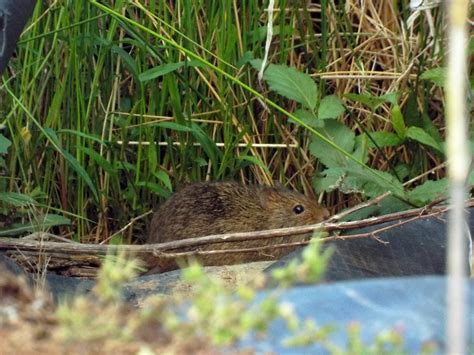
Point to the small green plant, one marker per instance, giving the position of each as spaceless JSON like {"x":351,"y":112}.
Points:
{"x":210,"y":314}
{"x":103,"y":316}
{"x":309,"y":269}
{"x":24,"y":213}
{"x":346,"y":169}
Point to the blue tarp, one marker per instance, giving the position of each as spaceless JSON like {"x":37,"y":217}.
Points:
{"x":413,"y":305}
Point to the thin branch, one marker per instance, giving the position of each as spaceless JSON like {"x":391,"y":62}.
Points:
{"x":95,"y":249}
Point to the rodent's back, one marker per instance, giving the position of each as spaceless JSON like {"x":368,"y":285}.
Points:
{"x":225,"y":207}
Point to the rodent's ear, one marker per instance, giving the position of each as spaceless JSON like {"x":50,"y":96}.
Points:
{"x":267,"y":195}
{"x":278,"y":184}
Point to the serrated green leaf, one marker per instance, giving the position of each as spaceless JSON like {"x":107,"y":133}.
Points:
{"x":429,"y":191}
{"x":361,"y":148}
{"x":246,"y":58}
{"x":329,"y":180}
{"x":390,"y":204}
{"x":372,"y":185}
{"x":431,"y":129}
{"x":307,"y":117}
{"x":367,"y":99}
{"x":290,"y":83}
{"x":5,"y":143}
{"x":336,"y":132}
{"x":436,"y":76}
{"x":330,"y":107}
{"x":402,"y":170}
{"x":359,"y":180}
{"x":383,"y":139}
{"x":17,"y":199}
{"x":391,"y":97}
{"x":260,"y":33}
{"x":158,"y":71}
{"x":419,"y":135}
{"x":398,"y":121}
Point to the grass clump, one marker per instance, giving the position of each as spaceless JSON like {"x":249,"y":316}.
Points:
{"x":108,"y":108}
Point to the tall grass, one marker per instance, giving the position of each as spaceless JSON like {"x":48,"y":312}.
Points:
{"x":85,"y":118}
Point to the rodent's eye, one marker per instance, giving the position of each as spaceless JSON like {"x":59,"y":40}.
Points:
{"x":298,"y":209}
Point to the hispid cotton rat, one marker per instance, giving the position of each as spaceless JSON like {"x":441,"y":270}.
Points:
{"x":208,"y":208}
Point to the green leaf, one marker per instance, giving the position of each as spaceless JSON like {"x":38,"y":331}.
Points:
{"x":411,"y":113}
{"x":437,"y":76}
{"x":159,"y":190}
{"x":194,"y":63}
{"x":390,"y":204}
{"x":260,"y":33}
{"x":164,"y":178}
{"x":207,"y":144}
{"x":307,"y":117}
{"x":152,"y":156}
{"x":5,"y":143}
{"x":116,"y":240}
{"x":398,"y":121}
{"x":373,"y":102}
{"x":419,"y":135}
{"x":103,"y":163}
{"x":160,"y":70}
{"x":326,"y":154}
{"x":371,"y":185}
{"x":429,"y":191}
{"x":38,"y":224}
{"x":254,"y":160}
{"x":352,"y":178}
{"x":17,"y":199}
{"x":329,"y":180}
{"x":361,"y":148}
{"x":173,"y":126}
{"x":246,"y":58}
{"x":127,"y":59}
{"x":431,"y":129}
{"x":72,"y":161}
{"x":384,"y":139}
{"x":391,"y":97}
{"x":290,"y":83}
{"x":201,"y":162}
{"x":330,"y":107}
{"x":51,"y":220}
{"x":92,"y":137}
{"x":402,"y":170}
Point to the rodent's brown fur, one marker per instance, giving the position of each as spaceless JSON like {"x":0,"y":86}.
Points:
{"x":202,"y":209}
